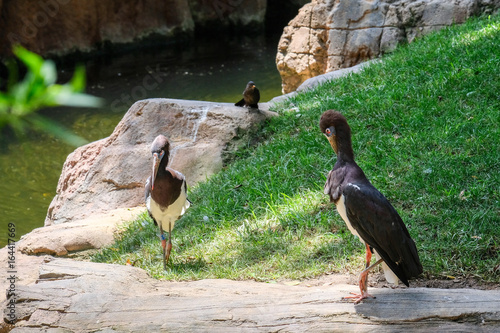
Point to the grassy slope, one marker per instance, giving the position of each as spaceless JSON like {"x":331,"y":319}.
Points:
{"x":425,"y":126}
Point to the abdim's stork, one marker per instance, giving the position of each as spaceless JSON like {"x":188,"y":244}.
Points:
{"x":367,"y":213}
{"x":166,"y":197}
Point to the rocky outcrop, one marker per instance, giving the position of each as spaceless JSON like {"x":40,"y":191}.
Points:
{"x":110,"y":173}
{"x":63,"y":295}
{"x":62,"y":26}
{"x":92,"y":232}
{"x":328,"y":35}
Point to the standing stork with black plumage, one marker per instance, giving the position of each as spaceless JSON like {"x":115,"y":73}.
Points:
{"x":166,"y":194}
{"x":367,"y":213}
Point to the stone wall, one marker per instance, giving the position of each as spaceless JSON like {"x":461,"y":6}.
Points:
{"x":328,"y":35}
{"x":214,"y":15}
{"x":63,"y":26}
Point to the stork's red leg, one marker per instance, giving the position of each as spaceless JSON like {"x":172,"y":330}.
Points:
{"x":363,"y":287}
{"x":169,"y":245}
{"x":163,"y":245}
{"x":368,"y":255}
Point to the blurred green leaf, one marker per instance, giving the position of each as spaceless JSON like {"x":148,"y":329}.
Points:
{"x":48,"y":72}
{"x":32,"y":60}
{"x":67,"y":96}
{"x":78,"y":80}
{"x":38,"y":89}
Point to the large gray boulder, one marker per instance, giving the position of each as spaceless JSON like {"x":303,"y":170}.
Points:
{"x":110,"y":173}
{"x":328,"y":35}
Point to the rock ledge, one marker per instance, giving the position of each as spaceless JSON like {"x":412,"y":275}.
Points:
{"x":74,"y":296}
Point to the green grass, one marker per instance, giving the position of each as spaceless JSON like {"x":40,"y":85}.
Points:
{"x":425,"y":126}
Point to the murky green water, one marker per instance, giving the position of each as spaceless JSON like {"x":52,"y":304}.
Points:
{"x":210,"y":71}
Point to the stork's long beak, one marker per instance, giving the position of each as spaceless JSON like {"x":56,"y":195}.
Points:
{"x":156,"y":163}
{"x":331,"y":139}
{"x":331,"y":136}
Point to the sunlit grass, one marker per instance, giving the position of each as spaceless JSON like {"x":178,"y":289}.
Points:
{"x":489,"y":30}
{"x":425,"y":125}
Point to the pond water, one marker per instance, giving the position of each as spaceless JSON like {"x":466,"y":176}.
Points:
{"x":209,"y":70}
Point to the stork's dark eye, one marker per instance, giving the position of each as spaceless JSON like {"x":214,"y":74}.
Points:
{"x":328,"y":132}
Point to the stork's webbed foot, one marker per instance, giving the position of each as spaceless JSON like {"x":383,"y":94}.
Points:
{"x":357,"y":298}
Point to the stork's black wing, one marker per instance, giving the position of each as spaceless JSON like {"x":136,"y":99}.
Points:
{"x":379,"y":225}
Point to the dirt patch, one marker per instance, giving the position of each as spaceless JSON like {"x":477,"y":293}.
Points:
{"x":377,"y":280}
{"x":456,"y":283}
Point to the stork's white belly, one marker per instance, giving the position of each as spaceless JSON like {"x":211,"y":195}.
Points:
{"x":167,"y":216}
{"x":342,"y":211}
{"x":389,"y":274}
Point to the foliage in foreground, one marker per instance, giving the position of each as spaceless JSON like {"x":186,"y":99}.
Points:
{"x":37,"y":90}
{"x":425,"y":126}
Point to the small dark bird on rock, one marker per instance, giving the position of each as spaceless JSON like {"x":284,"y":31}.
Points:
{"x":251,"y":96}
{"x":367,"y":213}
{"x":166,"y":194}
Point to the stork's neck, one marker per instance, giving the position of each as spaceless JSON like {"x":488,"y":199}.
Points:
{"x":162,"y":168}
{"x":344,"y":150}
